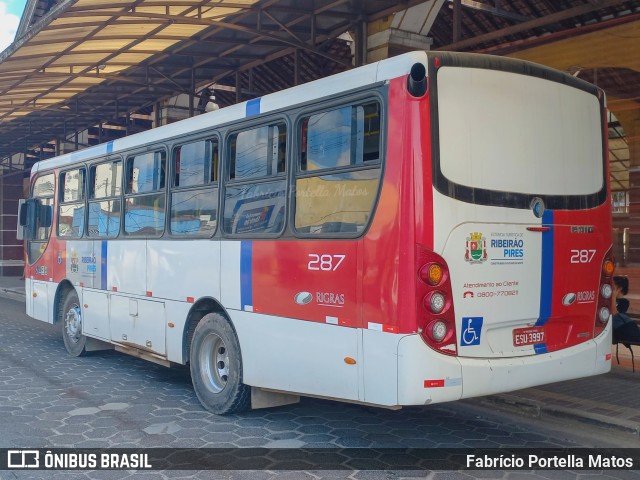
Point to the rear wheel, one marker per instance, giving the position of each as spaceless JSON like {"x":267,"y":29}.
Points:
{"x":70,"y":319}
{"x":216,"y":366}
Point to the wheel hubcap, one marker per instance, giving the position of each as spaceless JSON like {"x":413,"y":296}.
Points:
{"x":73,"y":324}
{"x":214,"y":358}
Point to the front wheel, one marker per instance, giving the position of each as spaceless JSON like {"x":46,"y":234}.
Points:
{"x":216,"y":366}
{"x":70,"y":319}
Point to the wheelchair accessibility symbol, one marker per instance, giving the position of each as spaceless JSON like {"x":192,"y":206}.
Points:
{"x":471,"y":330}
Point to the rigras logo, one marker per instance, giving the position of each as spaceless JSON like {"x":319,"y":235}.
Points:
{"x":302,"y":298}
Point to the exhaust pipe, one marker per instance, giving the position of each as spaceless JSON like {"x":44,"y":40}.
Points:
{"x":417,"y":81}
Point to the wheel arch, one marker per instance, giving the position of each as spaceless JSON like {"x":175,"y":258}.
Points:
{"x":63,"y":287}
{"x":199,"y":309}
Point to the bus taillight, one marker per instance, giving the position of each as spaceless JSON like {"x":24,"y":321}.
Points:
{"x":605,"y":291}
{"x":434,"y":310}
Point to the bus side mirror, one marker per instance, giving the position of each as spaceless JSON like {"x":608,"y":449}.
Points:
{"x":30,"y":212}
{"x":22,"y":219}
{"x":45,"y":216}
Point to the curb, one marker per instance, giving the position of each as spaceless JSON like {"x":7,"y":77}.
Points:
{"x":536,"y":409}
{"x":13,"y":294}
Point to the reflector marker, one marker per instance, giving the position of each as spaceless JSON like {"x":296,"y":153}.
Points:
{"x":443,"y":382}
{"x":114,"y":289}
{"x":434,"y":383}
{"x":380,"y":327}
{"x":607,"y":357}
{"x":190,"y":299}
{"x":149,"y":294}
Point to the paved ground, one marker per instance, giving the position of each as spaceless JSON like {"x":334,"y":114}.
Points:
{"x":107,"y":399}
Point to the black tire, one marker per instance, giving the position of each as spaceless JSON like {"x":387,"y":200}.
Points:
{"x":216,"y":366}
{"x":70,"y":320}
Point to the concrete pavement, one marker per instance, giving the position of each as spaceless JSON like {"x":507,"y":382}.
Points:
{"x":608,"y":401}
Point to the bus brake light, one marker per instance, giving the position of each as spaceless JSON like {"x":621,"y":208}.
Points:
{"x":436,"y":321}
{"x":603,"y":311}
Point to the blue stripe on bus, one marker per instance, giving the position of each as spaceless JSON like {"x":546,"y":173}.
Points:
{"x":103,"y":265}
{"x":540,"y":348}
{"x":253,"y":107}
{"x":546,"y":276}
{"x":246,"y":294}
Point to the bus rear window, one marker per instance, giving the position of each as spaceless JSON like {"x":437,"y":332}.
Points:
{"x":508,"y":132}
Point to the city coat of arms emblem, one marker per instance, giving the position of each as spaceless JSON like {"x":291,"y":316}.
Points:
{"x":476,"y":248}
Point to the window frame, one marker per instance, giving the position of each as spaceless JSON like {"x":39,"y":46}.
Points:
{"x":228,"y":182}
{"x":92,"y":199}
{"x":371,"y":96}
{"x":61,"y":203}
{"x":54,"y":204}
{"x":216,"y":184}
{"x":159,"y":148}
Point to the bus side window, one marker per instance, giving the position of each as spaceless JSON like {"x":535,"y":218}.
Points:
{"x":41,"y":212}
{"x":194,"y":193}
{"x":339,"y":170}
{"x":255,"y":193}
{"x":105,"y":203}
{"x":145,"y":196}
{"x":71,"y":203}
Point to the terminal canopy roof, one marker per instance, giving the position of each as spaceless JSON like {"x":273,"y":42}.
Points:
{"x":86,"y":61}
{"x":78,"y":63}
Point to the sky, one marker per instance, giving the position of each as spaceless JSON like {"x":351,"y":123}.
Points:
{"x":10,"y":13}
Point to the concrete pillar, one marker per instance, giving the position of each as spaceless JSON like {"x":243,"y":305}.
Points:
{"x":630,"y":121}
{"x":11,"y":249}
{"x":402,"y":32}
{"x":392,"y":42}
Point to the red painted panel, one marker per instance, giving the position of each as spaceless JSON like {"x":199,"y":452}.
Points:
{"x":309,"y":280}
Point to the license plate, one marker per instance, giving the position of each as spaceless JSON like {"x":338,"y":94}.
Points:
{"x":528,"y":336}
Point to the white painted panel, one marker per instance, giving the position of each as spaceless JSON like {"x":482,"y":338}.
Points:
{"x":418,"y":363}
{"x":95,"y":314}
{"x":473,"y":377}
{"x":484,"y":377}
{"x":176,"y":313}
{"x":150,"y":326}
{"x":121,"y":323}
{"x":181,"y":269}
{"x":517,"y":133}
{"x":127,"y":266}
{"x":230,"y":274}
{"x":81,"y":265}
{"x":40,"y":301}
{"x":298,"y":356}
{"x":138,"y":321}
{"x":28,"y":290}
{"x":380,"y":367}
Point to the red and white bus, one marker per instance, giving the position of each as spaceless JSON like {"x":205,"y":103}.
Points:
{"x":430,"y":227}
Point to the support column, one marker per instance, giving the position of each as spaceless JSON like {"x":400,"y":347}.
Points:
{"x":630,"y":121}
{"x":402,"y":32}
{"x":392,"y":42}
{"x":11,"y":249}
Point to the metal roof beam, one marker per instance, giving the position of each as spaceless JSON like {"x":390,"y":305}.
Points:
{"x":531,"y":24}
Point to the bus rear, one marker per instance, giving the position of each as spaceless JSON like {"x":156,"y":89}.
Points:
{"x":519,"y":220}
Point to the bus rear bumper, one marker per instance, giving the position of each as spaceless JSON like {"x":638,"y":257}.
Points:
{"x":453,"y":378}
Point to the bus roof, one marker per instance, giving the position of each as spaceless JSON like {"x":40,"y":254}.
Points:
{"x":334,"y":84}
